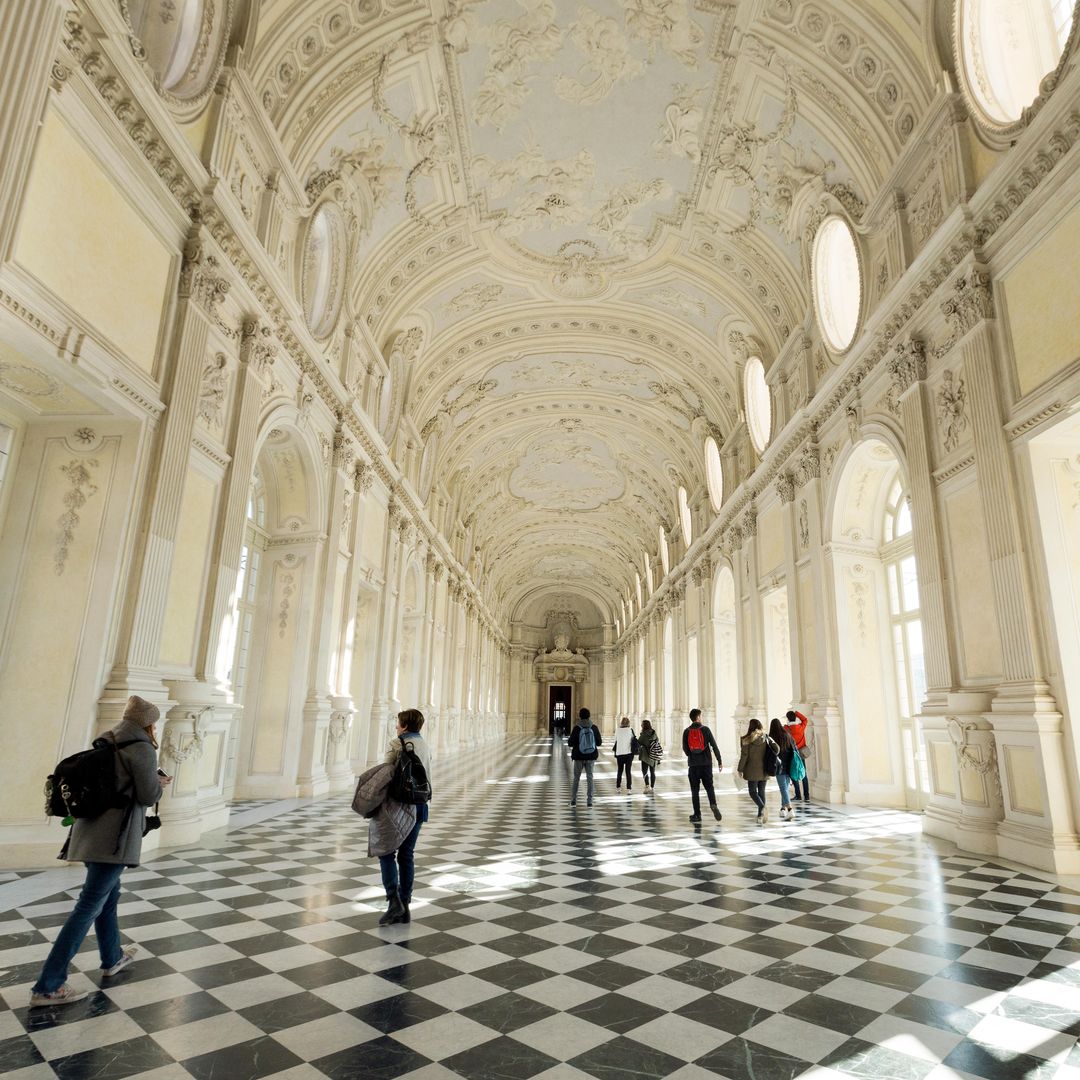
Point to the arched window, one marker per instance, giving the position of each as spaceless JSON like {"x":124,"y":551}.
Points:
{"x":905,"y":617}
{"x":323,"y":279}
{"x":758,"y":403}
{"x":1006,"y":49}
{"x":837,"y":283}
{"x":714,"y":473}
{"x":684,"y":517}
{"x":665,"y":553}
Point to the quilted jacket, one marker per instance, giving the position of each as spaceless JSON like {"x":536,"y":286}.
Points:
{"x":389,"y":821}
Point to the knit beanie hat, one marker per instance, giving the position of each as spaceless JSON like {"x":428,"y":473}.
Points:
{"x":140,"y":711}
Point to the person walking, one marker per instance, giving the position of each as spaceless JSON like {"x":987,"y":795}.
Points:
{"x":584,"y":743}
{"x":796,"y":727}
{"x":626,"y":746}
{"x":398,"y":867}
{"x":649,"y":753}
{"x":107,"y":844}
{"x":778,"y":734}
{"x":699,"y":746}
{"x":752,"y":765}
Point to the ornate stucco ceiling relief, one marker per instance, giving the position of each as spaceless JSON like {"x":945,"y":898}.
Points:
{"x":583,"y":122}
{"x":576,"y":473}
{"x":580,"y":200}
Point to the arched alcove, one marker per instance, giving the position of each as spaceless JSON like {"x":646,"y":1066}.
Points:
{"x":725,"y":646}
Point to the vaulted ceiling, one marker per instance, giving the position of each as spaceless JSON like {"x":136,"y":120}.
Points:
{"x":579,"y":201}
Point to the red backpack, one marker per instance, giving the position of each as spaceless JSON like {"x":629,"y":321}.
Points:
{"x":695,"y":738}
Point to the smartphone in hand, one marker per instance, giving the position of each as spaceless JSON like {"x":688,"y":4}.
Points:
{"x":163,"y":774}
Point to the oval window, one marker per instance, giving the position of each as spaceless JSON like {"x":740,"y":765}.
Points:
{"x":714,"y":473}
{"x":1007,"y":48}
{"x":665,"y":553}
{"x":182,"y":42}
{"x":837,"y":283}
{"x":323,"y":279}
{"x":648,"y":572}
{"x":684,"y":517}
{"x":758,"y":404}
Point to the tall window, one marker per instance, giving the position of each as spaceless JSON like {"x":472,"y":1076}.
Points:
{"x":758,"y":403}
{"x":898,"y":556}
{"x":247,"y":585}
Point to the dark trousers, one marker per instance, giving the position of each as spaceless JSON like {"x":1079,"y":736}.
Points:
{"x":701,"y":776}
{"x":397,"y":867}
{"x":624,"y":766}
{"x":648,"y":773}
{"x":805,"y":782}
{"x":757,"y":793}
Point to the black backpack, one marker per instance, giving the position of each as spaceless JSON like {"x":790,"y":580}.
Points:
{"x":84,"y":785}
{"x":409,"y":783}
{"x":773,"y":757}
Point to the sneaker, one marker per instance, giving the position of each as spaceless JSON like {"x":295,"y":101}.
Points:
{"x":64,"y":996}
{"x":716,"y":812}
{"x":589,"y":803}
{"x":695,"y":818}
{"x":126,"y":957}
{"x":573,"y":802}
{"x":764,"y":815}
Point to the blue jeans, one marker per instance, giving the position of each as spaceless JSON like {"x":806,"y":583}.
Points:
{"x":96,"y":905}
{"x":397,"y":867}
{"x":756,"y":789}
{"x":782,"y":781}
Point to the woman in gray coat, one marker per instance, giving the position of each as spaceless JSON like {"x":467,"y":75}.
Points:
{"x":107,"y":844}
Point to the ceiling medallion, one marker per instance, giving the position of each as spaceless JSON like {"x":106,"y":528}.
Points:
{"x":580,"y":275}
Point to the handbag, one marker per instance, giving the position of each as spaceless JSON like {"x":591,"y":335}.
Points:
{"x":635,"y":746}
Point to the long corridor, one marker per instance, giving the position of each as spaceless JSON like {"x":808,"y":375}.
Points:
{"x":559,"y":943}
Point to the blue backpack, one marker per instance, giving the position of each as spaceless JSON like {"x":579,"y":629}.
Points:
{"x":586,"y":742}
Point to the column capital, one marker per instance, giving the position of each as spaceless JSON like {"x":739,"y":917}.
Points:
{"x":201,"y":279}
{"x":807,"y":466}
{"x":785,"y":488}
{"x":972,"y":301}
{"x":907,"y":365}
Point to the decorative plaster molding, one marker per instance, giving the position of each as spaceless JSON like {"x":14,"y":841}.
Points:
{"x":81,"y":487}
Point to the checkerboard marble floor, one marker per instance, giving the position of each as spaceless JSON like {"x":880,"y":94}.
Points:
{"x":552,"y":943}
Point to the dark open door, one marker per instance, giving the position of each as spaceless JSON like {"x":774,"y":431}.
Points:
{"x":559,"y":709}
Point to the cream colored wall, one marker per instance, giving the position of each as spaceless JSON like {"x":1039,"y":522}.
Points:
{"x":1043,"y":323}
{"x":81,"y":237}
{"x":190,"y":556}
{"x":55,"y":534}
{"x":973,"y":589}
{"x":770,"y":539}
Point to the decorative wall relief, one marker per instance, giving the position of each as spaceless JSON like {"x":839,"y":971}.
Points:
{"x":80,"y":488}
{"x":926,"y":216}
{"x":212,"y":390}
{"x":804,"y":526}
{"x":951,"y":406}
{"x":474,"y":298}
{"x":678,"y":135}
{"x":285,"y":603}
{"x":608,"y":59}
{"x":978,"y":757}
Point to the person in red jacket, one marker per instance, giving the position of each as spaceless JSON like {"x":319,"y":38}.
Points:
{"x":796,"y":728}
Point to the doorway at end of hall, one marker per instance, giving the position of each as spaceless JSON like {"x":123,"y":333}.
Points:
{"x":559,"y":701}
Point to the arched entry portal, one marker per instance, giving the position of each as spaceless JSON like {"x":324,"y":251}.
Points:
{"x":271,"y":618}
{"x":880,"y":629}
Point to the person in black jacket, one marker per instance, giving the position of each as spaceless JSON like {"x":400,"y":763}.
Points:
{"x":699,"y":746}
{"x":584,"y":758}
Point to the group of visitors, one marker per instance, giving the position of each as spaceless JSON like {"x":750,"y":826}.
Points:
{"x":392,"y":795}
{"x":780,"y":754}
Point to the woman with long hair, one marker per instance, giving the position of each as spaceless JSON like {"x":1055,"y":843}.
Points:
{"x":780,"y":735}
{"x":752,"y":766}
{"x":649,"y":753}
